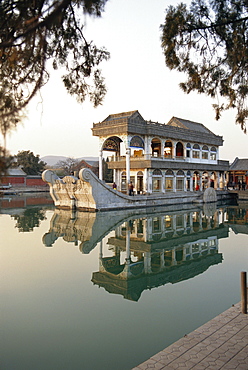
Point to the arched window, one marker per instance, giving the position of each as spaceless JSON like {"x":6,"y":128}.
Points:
{"x":204,"y":180}
{"x":196,"y":180}
{"x":156,"y":181}
{"x":169,"y":176}
{"x":188,"y":147}
{"x":136,"y":142}
{"x":213,"y":153}
{"x":112,"y":144}
{"x":157,"y":172}
{"x":188,"y":175}
{"x":180,"y":180}
{"x":196,"y":151}
{"x":179,"y":149}
{"x":156,"y":147}
{"x":169,"y":173}
{"x":205,"y":152}
{"x":168,"y":149}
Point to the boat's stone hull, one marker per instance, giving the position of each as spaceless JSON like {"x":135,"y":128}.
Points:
{"x":88,"y":192}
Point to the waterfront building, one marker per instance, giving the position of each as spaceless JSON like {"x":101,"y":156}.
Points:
{"x":238,"y":173}
{"x":16,"y":178}
{"x":157,"y":158}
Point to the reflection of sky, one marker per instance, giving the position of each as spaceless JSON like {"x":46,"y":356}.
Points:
{"x":136,"y":78}
{"x":54,"y":317}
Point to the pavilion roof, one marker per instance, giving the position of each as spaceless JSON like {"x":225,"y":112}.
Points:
{"x":239,"y":164}
{"x":121,"y":116}
{"x":190,"y":125}
{"x":177,"y":128}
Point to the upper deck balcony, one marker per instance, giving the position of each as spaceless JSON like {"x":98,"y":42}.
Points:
{"x":148,"y":157}
{"x":150,"y":161}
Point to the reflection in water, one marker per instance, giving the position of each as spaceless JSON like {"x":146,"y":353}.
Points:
{"x":139,"y":252}
{"x":237,"y":218}
{"x":54,"y":315}
{"x":158,"y":250}
{"x":29,"y":219}
{"x":27,"y":209}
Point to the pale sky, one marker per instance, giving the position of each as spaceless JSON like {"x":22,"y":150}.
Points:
{"x":136,"y":79}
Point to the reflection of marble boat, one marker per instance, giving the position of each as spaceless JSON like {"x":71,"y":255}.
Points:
{"x":89,"y":228}
{"x":131,"y":285}
{"x":186,"y":246}
{"x":147,"y":250}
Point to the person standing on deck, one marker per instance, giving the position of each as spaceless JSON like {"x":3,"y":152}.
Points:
{"x":130,"y":188}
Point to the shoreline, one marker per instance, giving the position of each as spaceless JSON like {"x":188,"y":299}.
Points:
{"x":19,"y":190}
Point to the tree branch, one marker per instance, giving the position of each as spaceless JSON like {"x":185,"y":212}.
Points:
{"x":36,"y":25}
{"x":213,"y":25}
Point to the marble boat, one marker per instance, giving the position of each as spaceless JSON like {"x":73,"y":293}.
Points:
{"x":173,"y":163}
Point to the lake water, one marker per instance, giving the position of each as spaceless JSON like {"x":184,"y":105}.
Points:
{"x":108,"y":290}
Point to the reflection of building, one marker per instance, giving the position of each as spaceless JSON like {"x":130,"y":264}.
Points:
{"x":178,"y":156}
{"x":22,"y":201}
{"x":158,"y":250}
{"x":146,"y":250}
{"x":237,"y":219}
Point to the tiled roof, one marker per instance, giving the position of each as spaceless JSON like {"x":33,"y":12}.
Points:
{"x":120,"y":115}
{"x":190,"y":125}
{"x":17,"y":171}
{"x":239,"y":164}
{"x":87,"y":164}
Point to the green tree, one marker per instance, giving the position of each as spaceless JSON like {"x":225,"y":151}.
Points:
{"x":209,"y":43}
{"x":6,"y":161}
{"x":35,"y":32}
{"x":30,"y":163}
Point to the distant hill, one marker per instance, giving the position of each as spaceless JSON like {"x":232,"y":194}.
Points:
{"x":52,"y":160}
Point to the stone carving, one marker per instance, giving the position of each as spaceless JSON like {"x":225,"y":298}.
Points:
{"x":85,"y":174}
{"x":50,"y":177}
{"x":209,"y":196}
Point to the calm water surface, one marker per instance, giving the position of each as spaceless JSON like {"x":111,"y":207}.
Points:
{"x":109,"y":290}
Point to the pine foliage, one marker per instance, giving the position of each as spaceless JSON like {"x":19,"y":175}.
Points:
{"x":209,"y":43}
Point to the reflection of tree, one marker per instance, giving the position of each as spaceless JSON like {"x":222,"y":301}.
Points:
{"x":29,"y":219}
